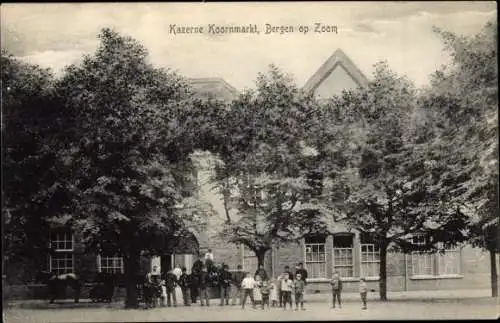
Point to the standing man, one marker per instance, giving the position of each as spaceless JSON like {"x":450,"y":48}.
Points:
{"x":204,"y":284}
{"x":185,"y":284}
{"x":193,"y":286}
{"x":261,"y":272}
{"x":152,"y":287}
{"x":224,"y":285}
{"x":196,"y":269}
{"x":170,"y":284}
{"x":238,"y":277}
{"x":195,"y":273}
{"x":336,"y":288}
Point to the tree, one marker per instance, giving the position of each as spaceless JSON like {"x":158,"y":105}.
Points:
{"x":374,"y":148}
{"x":463,"y":104}
{"x":263,"y":169}
{"x":33,"y":135}
{"x":128,"y":171}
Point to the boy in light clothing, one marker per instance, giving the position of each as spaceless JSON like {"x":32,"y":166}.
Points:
{"x":363,"y":290}
{"x":286,"y":290}
{"x":247,"y":286}
{"x":298,"y":286}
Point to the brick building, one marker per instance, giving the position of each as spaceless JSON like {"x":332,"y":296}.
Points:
{"x":342,"y":250}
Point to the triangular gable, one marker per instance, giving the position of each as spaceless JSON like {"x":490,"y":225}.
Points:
{"x":213,"y":88}
{"x":334,"y":67}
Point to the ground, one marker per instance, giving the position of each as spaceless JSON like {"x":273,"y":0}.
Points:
{"x":451,"y":305}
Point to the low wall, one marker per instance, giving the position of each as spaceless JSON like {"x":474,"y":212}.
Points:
{"x":398,"y":284}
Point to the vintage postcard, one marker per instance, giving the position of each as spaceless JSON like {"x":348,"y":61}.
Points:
{"x":252,"y":161}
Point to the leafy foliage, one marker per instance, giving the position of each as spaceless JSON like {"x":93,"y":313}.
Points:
{"x":264,"y":175}
{"x":375,"y":158}
{"x":463,"y":101}
{"x":130,"y":164}
{"x":32,"y":129}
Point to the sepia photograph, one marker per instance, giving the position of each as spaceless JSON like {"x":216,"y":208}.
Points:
{"x":249,"y":161}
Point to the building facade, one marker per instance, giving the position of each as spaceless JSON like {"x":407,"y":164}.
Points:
{"x":343,"y":250}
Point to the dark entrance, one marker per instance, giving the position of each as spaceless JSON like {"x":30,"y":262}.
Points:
{"x":166,"y":263}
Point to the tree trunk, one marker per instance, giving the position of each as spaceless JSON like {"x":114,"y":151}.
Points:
{"x":260,"y":257}
{"x":493,"y":275}
{"x":132,"y":265}
{"x":225,"y":200}
{"x":383,"y":273}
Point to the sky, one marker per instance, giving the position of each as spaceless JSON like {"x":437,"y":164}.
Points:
{"x":56,"y":35}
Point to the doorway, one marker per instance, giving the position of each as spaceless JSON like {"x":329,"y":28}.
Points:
{"x":167,"y":262}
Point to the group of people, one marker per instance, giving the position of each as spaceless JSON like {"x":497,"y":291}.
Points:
{"x":262,"y":289}
{"x":275,"y":292}
{"x":177,"y":284}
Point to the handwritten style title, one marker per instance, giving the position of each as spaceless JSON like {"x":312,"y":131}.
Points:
{"x":267,"y":29}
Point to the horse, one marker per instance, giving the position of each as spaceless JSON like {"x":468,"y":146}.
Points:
{"x":57,"y":283}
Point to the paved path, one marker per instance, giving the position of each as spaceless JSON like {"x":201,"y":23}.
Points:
{"x":435,"y":306}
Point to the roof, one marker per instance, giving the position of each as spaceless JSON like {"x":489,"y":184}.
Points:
{"x":213,"y":87}
{"x":338,"y":58}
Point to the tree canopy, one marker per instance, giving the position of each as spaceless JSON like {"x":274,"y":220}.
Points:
{"x":264,"y":179}
{"x":375,"y":158}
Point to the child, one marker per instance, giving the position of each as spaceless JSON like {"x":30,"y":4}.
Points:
{"x":298,"y":286}
{"x":363,"y":290}
{"x":274,"y":292}
{"x":247,"y":285}
{"x":265,"y":289}
{"x":257,"y":294}
{"x":286,"y":290}
{"x":336,"y":288}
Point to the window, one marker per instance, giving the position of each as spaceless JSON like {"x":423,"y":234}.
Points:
{"x":370,"y":259}
{"x":110,"y":264}
{"x":343,"y":255}
{"x":435,"y":264}
{"x":422,"y":263}
{"x":315,"y":257}
{"x":449,"y":262}
{"x":61,"y":260}
{"x":61,"y":241}
{"x":250,"y":261}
